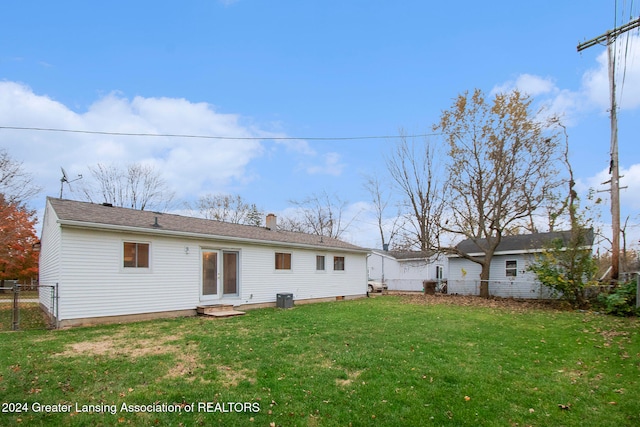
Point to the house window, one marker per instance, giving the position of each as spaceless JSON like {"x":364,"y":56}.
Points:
{"x":512,"y":268}
{"x":338,"y":263}
{"x":283,"y":261}
{"x":320,"y":262}
{"x":136,"y":255}
{"x":439,"y":272}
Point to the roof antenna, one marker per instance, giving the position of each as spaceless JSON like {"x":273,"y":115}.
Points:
{"x":65,"y":178}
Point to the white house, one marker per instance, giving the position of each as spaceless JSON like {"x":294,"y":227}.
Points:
{"x":405,"y":271}
{"x":113,"y":264}
{"x":509,"y":275}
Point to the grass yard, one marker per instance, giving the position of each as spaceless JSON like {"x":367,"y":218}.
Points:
{"x":388,"y":361}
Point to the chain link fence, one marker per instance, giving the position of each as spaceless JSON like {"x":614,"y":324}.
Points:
{"x":28,"y":307}
{"x":502,"y":288}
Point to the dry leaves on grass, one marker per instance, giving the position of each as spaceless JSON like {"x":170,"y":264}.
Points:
{"x":516,"y":305}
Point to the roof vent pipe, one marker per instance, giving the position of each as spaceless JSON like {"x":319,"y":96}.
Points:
{"x":155,"y":224}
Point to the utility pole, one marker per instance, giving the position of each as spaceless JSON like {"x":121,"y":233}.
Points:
{"x":608,"y":38}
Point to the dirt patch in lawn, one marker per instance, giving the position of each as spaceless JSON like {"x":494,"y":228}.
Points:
{"x":185,"y":366}
{"x":232,"y":377}
{"x":122,"y":346}
{"x":511,"y":304}
{"x":351,"y":377}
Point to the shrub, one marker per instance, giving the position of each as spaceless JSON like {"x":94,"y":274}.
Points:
{"x":622,"y":301}
{"x":567,"y":268}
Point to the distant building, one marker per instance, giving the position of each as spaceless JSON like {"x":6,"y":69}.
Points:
{"x":509,"y":276}
{"x":406,"y":270}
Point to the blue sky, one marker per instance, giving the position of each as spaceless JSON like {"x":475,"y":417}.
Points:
{"x":301,"y":70}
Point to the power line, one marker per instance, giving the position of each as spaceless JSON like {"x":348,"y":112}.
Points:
{"x":609,"y":39}
{"x":235,"y":138}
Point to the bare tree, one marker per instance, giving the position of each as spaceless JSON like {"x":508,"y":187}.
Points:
{"x":320,"y":214}
{"x":228,"y":208}
{"x":138,"y":187}
{"x":16,"y":185}
{"x":501,"y":167}
{"x":380,"y":199}
{"x":413,"y":170}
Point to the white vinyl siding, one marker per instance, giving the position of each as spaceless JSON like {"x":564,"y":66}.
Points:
{"x":49,"y":263}
{"x":524,"y":285}
{"x":260,"y":284}
{"x":404,"y":275}
{"x":49,"y":257}
{"x":93,"y":282}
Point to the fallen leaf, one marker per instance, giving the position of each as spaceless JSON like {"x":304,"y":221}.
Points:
{"x":531,"y":410}
{"x":565,"y":407}
{"x":467,"y":398}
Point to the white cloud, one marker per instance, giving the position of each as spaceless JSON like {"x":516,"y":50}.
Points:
{"x":631,"y":180}
{"x":629,"y":203}
{"x":593,"y":93}
{"x":595,"y":82}
{"x":331,"y":165}
{"x":188,"y":164}
{"x":529,"y":84}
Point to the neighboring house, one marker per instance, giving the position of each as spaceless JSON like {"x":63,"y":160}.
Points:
{"x":509,"y":275}
{"x":405,"y":271}
{"x":113,"y":264}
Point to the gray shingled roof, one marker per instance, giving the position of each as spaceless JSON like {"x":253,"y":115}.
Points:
{"x":72,"y":212}
{"x":523,"y":242}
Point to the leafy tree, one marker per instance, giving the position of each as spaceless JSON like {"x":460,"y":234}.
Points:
{"x":501,"y":166}
{"x":228,"y":208}
{"x":18,"y":260}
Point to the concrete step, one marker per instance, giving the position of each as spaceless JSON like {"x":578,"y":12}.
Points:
{"x":218,"y":310}
{"x":225,"y":313}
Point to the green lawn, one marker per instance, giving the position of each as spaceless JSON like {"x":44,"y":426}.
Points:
{"x":378,"y":361}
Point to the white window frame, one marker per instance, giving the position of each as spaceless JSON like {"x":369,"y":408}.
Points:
{"x":275,"y":262}
{"x":513,"y":269}
{"x":135,"y":269}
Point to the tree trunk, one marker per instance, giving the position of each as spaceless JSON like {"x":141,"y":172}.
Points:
{"x":484,"y":279}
